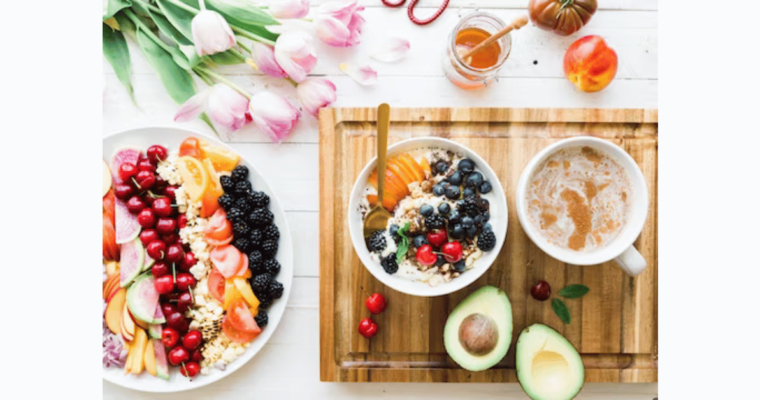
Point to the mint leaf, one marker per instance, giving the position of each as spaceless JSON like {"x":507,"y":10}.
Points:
{"x":573,"y":291}
{"x":403,"y":247}
{"x":561,"y":310}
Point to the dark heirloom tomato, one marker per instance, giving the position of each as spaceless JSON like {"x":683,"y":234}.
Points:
{"x":563,"y":17}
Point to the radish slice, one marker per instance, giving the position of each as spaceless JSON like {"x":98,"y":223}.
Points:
{"x":131,"y":261}
{"x":142,"y":299}
{"x":226,"y":259}
{"x":125,"y":224}
{"x":120,"y":157}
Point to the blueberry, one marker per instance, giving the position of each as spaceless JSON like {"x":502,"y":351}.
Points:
{"x":460,"y":204}
{"x":459,"y":266}
{"x":466,"y":165}
{"x":472,"y":231}
{"x":485,"y":216}
{"x":468,"y":221}
{"x":441,"y":167}
{"x":485,"y":187}
{"x":487,"y":227}
{"x":467,"y":192}
{"x":419,"y":240}
{"x":458,"y":232}
{"x":478,"y":219}
{"x":484,"y":204}
{"x":455,"y":217}
{"x":456,"y":178}
{"x":440,"y":261}
{"x":392,"y":230}
{"x":426,"y":210}
{"x":444,"y":208}
{"x":438,"y":189}
{"x":474,"y":179}
{"x":452,"y":192}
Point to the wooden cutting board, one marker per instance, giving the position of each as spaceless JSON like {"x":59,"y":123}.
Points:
{"x":614,"y":326}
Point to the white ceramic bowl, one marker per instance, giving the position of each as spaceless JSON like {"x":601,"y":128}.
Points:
{"x":171,"y":137}
{"x":498,"y":211}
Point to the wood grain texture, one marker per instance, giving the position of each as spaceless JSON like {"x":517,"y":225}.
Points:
{"x":614,"y":326}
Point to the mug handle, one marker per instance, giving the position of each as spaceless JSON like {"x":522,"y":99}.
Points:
{"x":631,"y":261}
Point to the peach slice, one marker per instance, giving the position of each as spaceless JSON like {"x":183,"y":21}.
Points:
{"x":141,"y":341}
{"x":398,"y":168}
{"x":114,"y":310}
{"x":409,"y":170}
{"x":128,"y":324}
{"x":130,"y":347}
{"x":419,"y":173}
{"x":150,"y":358}
{"x":425,"y":165}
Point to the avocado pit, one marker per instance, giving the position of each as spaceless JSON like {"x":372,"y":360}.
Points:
{"x":478,"y":334}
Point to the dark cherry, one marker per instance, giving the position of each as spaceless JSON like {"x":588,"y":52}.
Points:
{"x":541,"y":291}
{"x":146,"y":165}
{"x":182,"y":221}
{"x":160,"y":269}
{"x":184,"y":301}
{"x":156,"y":153}
{"x":174,"y":254}
{"x":127,"y":170}
{"x":122,"y":191}
{"x":166,"y":225}
{"x":164,"y":284}
{"x":147,"y":236}
{"x":175,"y":320}
{"x":156,"y":250}
{"x":170,"y":238}
{"x":160,"y":185}
{"x":188,"y":261}
{"x":135,"y":204}
{"x":170,"y":192}
{"x":162,"y":206}
{"x":168,"y":309}
{"x":146,"y":218}
{"x":145,"y":179}
{"x":196,"y":355}
{"x":185,"y":281}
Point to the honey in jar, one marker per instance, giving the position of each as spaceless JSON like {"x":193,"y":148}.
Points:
{"x":470,"y":37}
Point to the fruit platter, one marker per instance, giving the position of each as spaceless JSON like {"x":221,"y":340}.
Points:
{"x":197,"y":260}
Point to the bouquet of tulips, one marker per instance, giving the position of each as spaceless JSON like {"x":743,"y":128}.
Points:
{"x":187,"y":39}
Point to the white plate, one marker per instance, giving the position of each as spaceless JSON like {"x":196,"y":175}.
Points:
{"x":171,"y":138}
{"x":498,"y":210}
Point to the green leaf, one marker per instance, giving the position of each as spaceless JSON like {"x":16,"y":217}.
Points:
{"x":403,"y":247}
{"x":561,"y":310}
{"x":111,"y":7}
{"x":226,"y":58}
{"x":180,"y":18}
{"x":116,"y":52}
{"x":573,"y":291}
{"x":170,"y":30}
{"x":177,"y":81}
{"x":242,"y":14}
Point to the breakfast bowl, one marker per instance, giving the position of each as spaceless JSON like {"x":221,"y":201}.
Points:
{"x":431,"y":210}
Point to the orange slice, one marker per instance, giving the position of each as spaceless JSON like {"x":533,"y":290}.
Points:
{"x":214,"y":190}
{"x":194,"y":176}
{"x":222,"y":159}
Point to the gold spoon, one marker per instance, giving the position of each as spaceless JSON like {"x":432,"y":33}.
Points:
{"x":378,"y":216}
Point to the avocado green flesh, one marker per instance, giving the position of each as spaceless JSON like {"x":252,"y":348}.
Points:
{"x":548,"y":366}
{"x":488,"y":302}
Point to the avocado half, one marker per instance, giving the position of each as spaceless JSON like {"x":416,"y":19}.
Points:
{"x":548,"y":366}
{"x":478,"y":331}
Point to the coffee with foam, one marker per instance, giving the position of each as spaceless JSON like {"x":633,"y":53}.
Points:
{"x":578,"y":198}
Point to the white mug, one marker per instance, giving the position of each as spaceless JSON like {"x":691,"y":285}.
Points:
{"x":621,"y":247}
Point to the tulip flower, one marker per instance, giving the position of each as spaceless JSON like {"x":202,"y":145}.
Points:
{"x":273,"y":114}
{"x":338,"y":23}
{"x":289,"y":9}
{"x":224,"y":105}
{"x":295,"y":53}
{"x":263,"y":57}
{"x":316,"y":93}
{"x":211,"y":33}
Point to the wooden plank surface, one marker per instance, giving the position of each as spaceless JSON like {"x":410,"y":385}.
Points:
{"x":614,"y":326}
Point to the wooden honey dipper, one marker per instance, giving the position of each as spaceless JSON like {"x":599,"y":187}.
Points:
{"x":514,"y":25}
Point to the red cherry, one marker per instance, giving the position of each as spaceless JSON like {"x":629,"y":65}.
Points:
{"x":164,"y":284}
{"x":160,"y":185}
{"x":185,"y":281}
{"x":178,"y":355}
{"x":160,"y":269}
{"x":437,"y":238}
{"x":146,"y":218}
{"x":375,"y":303}
{"x":168,"y":308}
{"x":127,"y":170}
{"x":368,"y":327}
{"x":135,"y":204}
{"x":146,"y":165}
{"x":156,"y":153}
{"x":166,"y":225}
{"x":148,"y":199}
{"x":171,"y":238}
{"x":175,"y":320}
{"x":174,"y":253}
{"x":122,"y":191}
{"x":156,"y":250}
{"x":188,"y":261}
{"x":184,"y":301}
{"x":145,"y":180}
{"x":541,"y":291}
{"x":196,"y":355}
{"x":182,"y":221}
{"x":190,"y":369}
{"x":425,"y":255}
{"x":147,"y":236}
{"x":170,"y":192}
{"x":452,"y":251}
{"x":169,"y":337}
{"x":192,"y":340}
{"x":162,"y":206}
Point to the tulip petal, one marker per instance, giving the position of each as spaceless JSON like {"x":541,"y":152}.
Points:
{"x":289,"y":9}
{"x":193,"y":107}
{"x":273,"y":114}
{"x":295,"y":53}
{"x":364,"y":74}
{"x":263,"y":57}
{"x":211,"y":33}
{"x":316,"y":93}
{"x":338,"y":23}
{"x":392,"y":50}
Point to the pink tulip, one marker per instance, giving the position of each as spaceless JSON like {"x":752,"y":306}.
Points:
{"x":211,"y":33}
{"x":224,"y":105}
{"x":316,"y":93}
{"x":295,"y":53}
{"x":263,"y":57}
{"x":338,"y":23}
{"x":273,"y":114}
{"x":289,"y":9}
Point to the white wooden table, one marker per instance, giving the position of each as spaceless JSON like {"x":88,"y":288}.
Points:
{"x":288,"y":366}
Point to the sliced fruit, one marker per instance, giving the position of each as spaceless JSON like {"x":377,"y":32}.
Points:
{"x":127,"y":324}
{"x":227,"y":259}
{"x":140,"y":323}
{"x":130,"y":356}
{"x":125,"y":224}
{"x":425,"y":165}
{"x":147,"y":261}
{"x":109,"y":284}
{"x":395,"y":184}
{"x":194,"y":176}
{"x":142,"y":299}
{"x":190,"y":147}
{"x":114,"y":311}
{"x":149,"y":357}
{"x":154,"y":331}
{"x":162,"y":366}
{"x":407,"y":170}
{"x":141,"y":341}
{"x":239,"y":325}
{"x":222,"y":159}
{"x":110,"y":247}
{"x":548,"y":366}
{"x":231,"y":294}
{"x":107,"y":181}
{"x":395,"y":166}
{"x":216,"y":284}
{"x":244,"y":288}
{"x":112,"y":268}
{"x":388,"y":202}
{"x":109,"y":205}
{"x":210,"y":202}
{"x":121,"y":156}
{"x":218,"y":230}
{"x":419,"y":173}
{"x":132,"y":258}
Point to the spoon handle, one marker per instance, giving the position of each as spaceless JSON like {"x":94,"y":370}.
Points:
{"x":383,"y":122}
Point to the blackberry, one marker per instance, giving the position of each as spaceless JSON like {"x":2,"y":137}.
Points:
{"x":271,"y":232}
{"x":389,"y":264}
{"x":243,"y":188}
{"x":271,"y":267}
{"x":486,"y":240}
{"x":261,"y":217}
{"x":240,"y":173}
{"x":256,"y":262}
{"x":261,"y":319}
{"x":256,"y":237}
{"x":243,"y":204}
{"x":235,"y":214}
{"x":265,"y":302}
{"x":376,"y":242}
{"x":471,"y":207}
{"x":242,"y":244}
{"x":434,"y":221}
{"x":261,"y":283}
{"x":228,"y":185}
{"x":259,"y":199}
{"x":269,"y":248}
{"x":226,"y":201}
{"x":275,"y":289}
{"x":241,"y":228}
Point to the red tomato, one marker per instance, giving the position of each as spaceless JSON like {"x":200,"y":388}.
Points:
{"x":190,"y":147}
{"x":216,"y":285}
{"x":227,"y":259}
{"x":239,"y":325}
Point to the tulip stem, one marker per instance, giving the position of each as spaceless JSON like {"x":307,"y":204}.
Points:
{"x":183,"y":6}
{"x":251,"y":36}
{"x":131,"y":15}
{"x":204,"y":77}
{"x":150,"y":6}
{"x":244,"y":47}
{"x":202,"y":4}
{"x":224,"y":80}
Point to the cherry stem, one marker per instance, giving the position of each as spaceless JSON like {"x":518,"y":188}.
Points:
{"x":174,"y":273}
{"x":137,"y":184}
